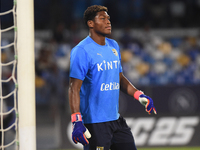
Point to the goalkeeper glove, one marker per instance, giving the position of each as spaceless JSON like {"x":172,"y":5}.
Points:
{"x":79,"y":131}
{"x":146,"y":101}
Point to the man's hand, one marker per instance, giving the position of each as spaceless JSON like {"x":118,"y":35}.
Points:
{"x":148,"y":103}
{"x":79,"y":131}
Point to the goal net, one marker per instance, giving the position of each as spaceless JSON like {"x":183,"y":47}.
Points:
{"x":17,"y":86}
{"x":8,"y":84}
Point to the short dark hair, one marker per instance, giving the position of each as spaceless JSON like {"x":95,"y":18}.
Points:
{"x":91,"y":12}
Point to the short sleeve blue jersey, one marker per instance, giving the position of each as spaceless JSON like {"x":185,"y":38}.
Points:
{"x":98,"y":67}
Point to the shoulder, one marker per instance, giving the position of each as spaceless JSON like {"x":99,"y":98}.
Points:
{"x":82,"y":50}
{"x":112,"y":42}
{"x":80,"y":47}
{"x":78,"y":52}
{"x":83,"y":45}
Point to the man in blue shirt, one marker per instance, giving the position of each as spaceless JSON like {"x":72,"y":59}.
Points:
{"x":96,"y":79}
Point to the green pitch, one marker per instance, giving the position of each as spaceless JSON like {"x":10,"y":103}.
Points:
{"x":159,"y":148}
{"x":171,"y":148}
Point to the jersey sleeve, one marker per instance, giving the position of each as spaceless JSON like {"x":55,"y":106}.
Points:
{"x":79,"y":63}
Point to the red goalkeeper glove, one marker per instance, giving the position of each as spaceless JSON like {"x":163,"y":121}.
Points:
{"x":146,"y":101}
{"x":79,"y":131}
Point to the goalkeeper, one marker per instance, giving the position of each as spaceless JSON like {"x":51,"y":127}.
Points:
{"x":96,"y":79}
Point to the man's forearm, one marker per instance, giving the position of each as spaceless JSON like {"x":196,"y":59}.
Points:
{"x":126,"y":86}
{"x":74,"y":102}
{"x":74,"y":97}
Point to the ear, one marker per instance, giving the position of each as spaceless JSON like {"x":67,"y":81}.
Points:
{"x":90,"y":23}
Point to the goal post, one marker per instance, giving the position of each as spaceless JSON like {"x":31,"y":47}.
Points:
{"x":26,"y":75}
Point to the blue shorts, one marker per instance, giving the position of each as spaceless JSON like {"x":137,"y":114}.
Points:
{"x":114,"y":135}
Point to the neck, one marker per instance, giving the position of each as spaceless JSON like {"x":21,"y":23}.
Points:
{"x":99,"y":39}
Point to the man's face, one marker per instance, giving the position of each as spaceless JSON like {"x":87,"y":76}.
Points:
{"x":102,"y":23}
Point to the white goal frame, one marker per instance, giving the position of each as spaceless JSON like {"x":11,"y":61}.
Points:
{"x":26,"y":75}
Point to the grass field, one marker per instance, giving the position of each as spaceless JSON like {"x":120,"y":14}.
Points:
{"x":158,"y":148}
{"x":171,"y":148}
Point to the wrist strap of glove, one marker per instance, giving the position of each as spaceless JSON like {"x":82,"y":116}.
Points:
{"x":76,"y":117}
{"x":137,"y":94}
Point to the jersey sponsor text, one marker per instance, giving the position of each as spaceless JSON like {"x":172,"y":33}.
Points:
{"x":110,"y":86}
{"x":109,"y":65}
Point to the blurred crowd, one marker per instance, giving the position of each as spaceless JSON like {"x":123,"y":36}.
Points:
{"x":147,"y":60}
{"x":154,"y":60}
